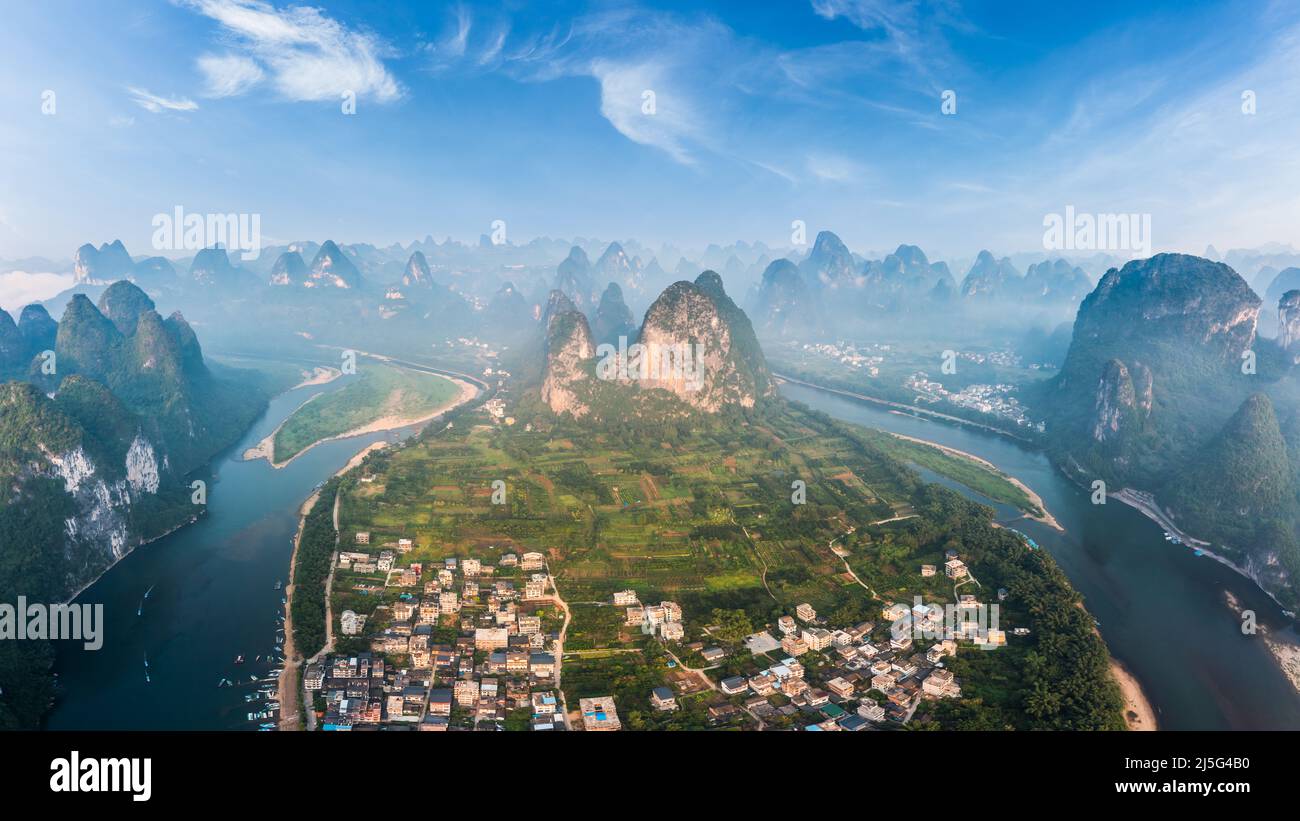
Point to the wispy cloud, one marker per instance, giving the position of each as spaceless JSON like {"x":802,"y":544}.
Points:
{"x":306,"y":55}
{"x":229,"y":75}
{"x":157,"y":104}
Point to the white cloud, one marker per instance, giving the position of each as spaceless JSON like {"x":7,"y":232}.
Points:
{"x":229,"y":75}
{"x":833,"y":168}
{"x":157,"y":104}
{"x":19,"y":288}
{"x":623,"y":100}
{"x":306,"y":55}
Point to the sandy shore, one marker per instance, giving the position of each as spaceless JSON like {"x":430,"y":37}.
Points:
{"x":320,"y":375}
{"x":1138,"y":713}
{"x":265,"y":449}
{"x":1285,"y":650}
{"x":1046,"y":518}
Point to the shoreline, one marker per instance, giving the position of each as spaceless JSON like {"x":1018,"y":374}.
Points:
{"x":289,"y":683}
{"x":1139,"y":715}
{"x":287,"y":687}
{"x":1286,"y":652}
{"x":265,"y":449}
{"x":1046,"y":518}
{"x":1130,"y":497}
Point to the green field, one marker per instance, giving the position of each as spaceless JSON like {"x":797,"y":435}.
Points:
{"x":701,"y":512}
{"x":379,"y":391}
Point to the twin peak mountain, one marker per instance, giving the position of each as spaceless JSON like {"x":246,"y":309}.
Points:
{"x":595,"y":375}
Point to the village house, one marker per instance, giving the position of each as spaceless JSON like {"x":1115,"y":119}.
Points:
{"x":940,"y":683}
{"x":386,"y":559}
{"x":624,"y":598}
{"x":794,"y":645}
{"x":954,"y":569}
{"x":806,"y":613}
{"x":733,"y":685}
{"x":661,"y":698}
{"x":713,"y":654}
{"x":786,"y":625}
{"x":363,"y":537}
{"x":532,"y":561}
{"x":599,"y":714}
{"x":928,"y":570}
{"x":840,"y":687}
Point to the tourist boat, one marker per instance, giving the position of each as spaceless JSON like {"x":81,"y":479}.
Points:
{"x":278,"y":584}
{"x":239,"y":659}
{"x":266,"y":726}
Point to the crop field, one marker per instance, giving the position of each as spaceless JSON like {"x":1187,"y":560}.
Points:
{"x":379,"y":391}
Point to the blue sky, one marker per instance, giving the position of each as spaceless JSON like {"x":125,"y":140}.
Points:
{"x":826,"y":111}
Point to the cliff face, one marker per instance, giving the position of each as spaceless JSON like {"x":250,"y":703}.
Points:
{"x":569,"y":352}
{"x":694,"y":343}
{"x":1153,"y":365}
{"x":1288,"y":322}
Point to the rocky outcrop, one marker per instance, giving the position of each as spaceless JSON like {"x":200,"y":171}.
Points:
{"x":569,"y":351}
{"x":332,"y":269}
{"x":289,"y":269}
{"x":830,"y":264}
{"x":104,"y":264}
{"x":1288,"y":322}
{"x":613,"y":318}
{"x":417,"y":273}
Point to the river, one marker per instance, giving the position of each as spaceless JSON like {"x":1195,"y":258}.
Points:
{"x":213,"y":596}
{"x":1161,"y":609}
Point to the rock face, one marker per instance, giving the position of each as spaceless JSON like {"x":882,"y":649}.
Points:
{"x":12,"y":346}
{"x":990,"y":277}
{"x":830,"y":264}
{"x":694,"y":344}
{"x":784,"y":304}
{"x":123,"y":303}
{"x":613,"y":318}
{"x":574,"y":278}
{"x":332,"y":269}
{"x":1288,"y":322}
{"x":212,"y":266}
{"x":417,"y":272}
{"x":569,"y":351}
{"x":289,"y":269}
{"x":615,"y":266}
{"x":1288,"y":279}
{"x":38,"y":329}
{"x":1153,"y":364}
{"x":108,"y":262}
{"x":1056,"y":281}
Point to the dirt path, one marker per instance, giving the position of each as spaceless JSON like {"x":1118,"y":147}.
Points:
{"x":558,"y":650}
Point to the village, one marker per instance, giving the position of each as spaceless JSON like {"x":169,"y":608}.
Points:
{"x":480,"y":647}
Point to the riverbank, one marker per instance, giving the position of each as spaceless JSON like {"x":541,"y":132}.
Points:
{"x":1145,"y":503}
{"x":1046,"y":516}
{"x":1138,"y":712}
{"x":289,"y":685}
{"x":320,"y":375}
{"x":1285,"y":651}
{"x":265,"y":449}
